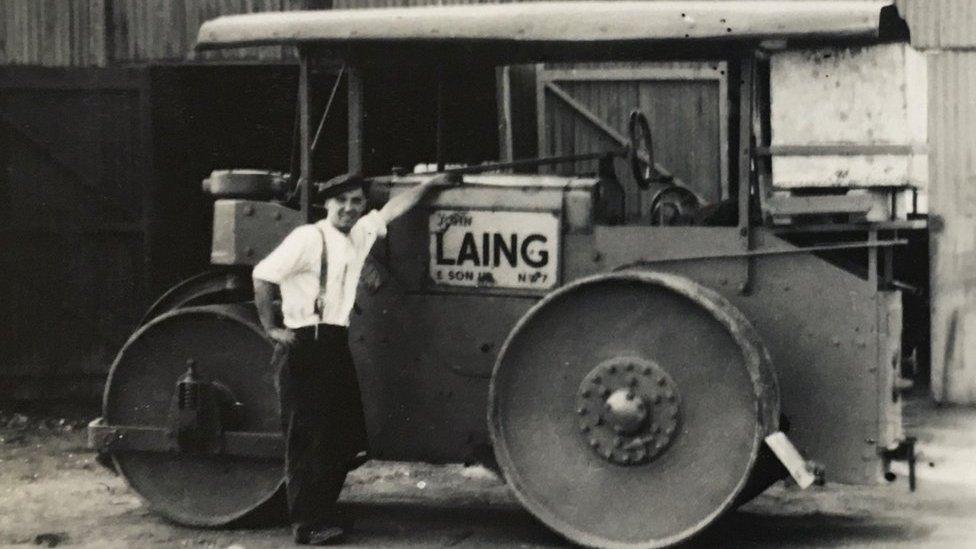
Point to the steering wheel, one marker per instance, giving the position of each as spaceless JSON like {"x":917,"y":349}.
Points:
{"x":640,"y":151}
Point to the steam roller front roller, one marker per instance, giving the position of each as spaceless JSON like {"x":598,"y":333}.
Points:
{"x":191,"y":416}
{"x":629,"y":410}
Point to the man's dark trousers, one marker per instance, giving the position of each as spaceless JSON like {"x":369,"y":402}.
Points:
{"x":322,"y":418}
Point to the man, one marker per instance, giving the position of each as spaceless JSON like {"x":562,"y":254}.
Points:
{"x":317,"y":269}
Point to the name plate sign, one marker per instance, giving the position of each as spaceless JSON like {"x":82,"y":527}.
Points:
{"x":491,"y":249}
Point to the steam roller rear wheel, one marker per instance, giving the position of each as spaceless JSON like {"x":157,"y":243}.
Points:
{"x":628,"y":410}
{"x":226,"y":344}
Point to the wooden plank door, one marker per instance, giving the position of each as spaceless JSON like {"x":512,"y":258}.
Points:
{"x":76,"y":187}
{"x":584,"y":108}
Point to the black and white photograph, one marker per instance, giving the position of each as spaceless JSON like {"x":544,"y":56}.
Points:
{"x":617,"y":274}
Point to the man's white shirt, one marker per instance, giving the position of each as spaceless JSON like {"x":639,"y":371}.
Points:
{"x":295,"y":266}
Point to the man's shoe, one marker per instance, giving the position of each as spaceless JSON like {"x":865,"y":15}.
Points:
{"x":324,"y":535}
{"x":357,"y":461}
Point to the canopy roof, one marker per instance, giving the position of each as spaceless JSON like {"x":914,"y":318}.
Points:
{"x":539,"y":29}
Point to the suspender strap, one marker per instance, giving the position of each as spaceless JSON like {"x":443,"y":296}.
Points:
{"x":319,"y":306}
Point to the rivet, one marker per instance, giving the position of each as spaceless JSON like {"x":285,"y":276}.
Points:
{"x":647,"y":370}
{"x":625,"y":458}
{"x":640,"y":455}
{"x":585,"y":429}
{"x":594,"y":443}
{"x":661,"y":381}
{"x":630,"y":367}
{"x":669,"y":430}
{"x":597,"y":380}
{"x":659,"y":445}
{"x":248,"y":210}
{"x":585,"y":393}
{"x":612,"y":369}
{"x":581,"y":411}
{"x":599,"y":421}
{"x":657,"y":429}
{"x":605,"y":392}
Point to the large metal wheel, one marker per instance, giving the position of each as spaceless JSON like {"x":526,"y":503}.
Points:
{"x":227,"y":345}
{"x":206,"y":288}
{"x":628,"y":410}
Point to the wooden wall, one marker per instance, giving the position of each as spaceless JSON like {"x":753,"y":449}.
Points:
{"x":98,"y":33}
{"x":54,"y":33}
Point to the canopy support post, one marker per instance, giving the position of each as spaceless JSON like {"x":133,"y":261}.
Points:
{"x":441,"y":96}
{"x":747,"y":79}
{"x":356,"y":113}
{"x":305,"y":131}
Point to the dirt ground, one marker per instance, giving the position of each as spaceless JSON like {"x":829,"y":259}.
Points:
{"x":53,"y":493}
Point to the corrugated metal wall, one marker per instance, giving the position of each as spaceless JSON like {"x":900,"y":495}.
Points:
{"x":949,"y":24}
{"x":952,"y":203}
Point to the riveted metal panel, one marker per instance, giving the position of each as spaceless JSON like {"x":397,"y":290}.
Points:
{"x":245,"y":231}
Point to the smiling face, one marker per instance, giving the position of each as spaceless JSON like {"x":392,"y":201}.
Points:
{"x":345,"y":209}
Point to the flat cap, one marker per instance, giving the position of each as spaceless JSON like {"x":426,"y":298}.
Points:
{"x":338,"y":185}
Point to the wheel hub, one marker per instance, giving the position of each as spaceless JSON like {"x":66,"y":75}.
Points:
{"x":628,"y":409}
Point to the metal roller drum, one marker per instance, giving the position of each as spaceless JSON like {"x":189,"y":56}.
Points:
{"x":628,"y":410}
{"x":226,"y":345}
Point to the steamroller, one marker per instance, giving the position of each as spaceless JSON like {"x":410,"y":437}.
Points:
{"x":631,"y":372}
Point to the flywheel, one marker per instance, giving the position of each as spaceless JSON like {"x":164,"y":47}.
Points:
{"x":628,"y":410}
{"x":149,"y":410}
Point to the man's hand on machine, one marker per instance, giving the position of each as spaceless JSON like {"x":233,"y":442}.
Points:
{"x":444,"y":180}
{"x":403,"y":202}
{"x":282,"y":335}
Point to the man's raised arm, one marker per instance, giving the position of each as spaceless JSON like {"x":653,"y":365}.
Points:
{"x":403,"y":202}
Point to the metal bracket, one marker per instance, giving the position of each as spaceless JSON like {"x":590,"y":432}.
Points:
{"x":800,"y":469}
{"x":905,"y":451}
{"x":118,"y":438}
